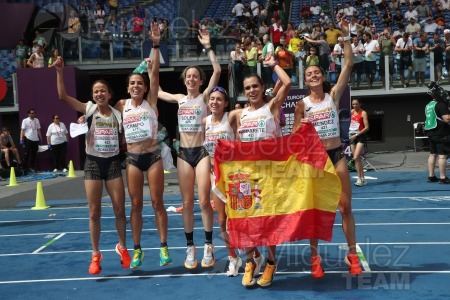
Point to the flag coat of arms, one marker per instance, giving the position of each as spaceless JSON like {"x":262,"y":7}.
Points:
{"x":277,"y":190}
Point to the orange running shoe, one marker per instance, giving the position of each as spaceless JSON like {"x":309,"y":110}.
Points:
{"x":95,"y":267}
{"x":179,"y":209}
{"x":316,"y":267}
{"x":125,"y":258}
{"x":352,"y":261}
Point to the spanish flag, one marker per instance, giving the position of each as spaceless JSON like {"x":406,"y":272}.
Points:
{"x":277,"y":190}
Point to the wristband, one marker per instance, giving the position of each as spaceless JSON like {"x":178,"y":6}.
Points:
{"x":274,"y":65}
{"x":208,"y":49}
{"x":347,"y":38}
{"x":155,"y":46}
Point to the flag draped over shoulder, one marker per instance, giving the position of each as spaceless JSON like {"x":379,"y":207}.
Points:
{"x":277,"y":190}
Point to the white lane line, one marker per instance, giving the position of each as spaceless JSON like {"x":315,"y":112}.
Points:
{"x":210,"y":275}
{"x":183,"y":248}
{"x":362,"y":258}
{"x":199,"y":214}
{"x":216,"y":227}
{"x":48,"y":243}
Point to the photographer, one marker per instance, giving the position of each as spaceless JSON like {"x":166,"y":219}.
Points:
{"x":437,"y":129}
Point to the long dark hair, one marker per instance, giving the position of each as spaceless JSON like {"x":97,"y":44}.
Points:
{"x":326,"y":84}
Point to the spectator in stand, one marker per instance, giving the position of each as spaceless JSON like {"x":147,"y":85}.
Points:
{"x":238,"y":11}
{"x":373,"y":31}
{"x":105,"y":38}
{"x":251,"y":57}
{"x":398,"y":19}
{"x":267,"y":53}
{"x":305,"y":26}
{"x":440,"y":18}
{"x":323,"y":20}
{"x":372,"y":9}
{"x":164,"y":29}
{"x":386,"y":43}
{"x":305,"y":11}
{"x":429,"y":25}
{"x":290,"y":31}
{"x":411,"y":13}
{"x":399,"y":32}
{"x":254,"y":7}
{"x":312,"y":59}
{"x":349,"y":10}
{"x":276,"y":31}
{"x":263,"y":29}
{"x":434,"y":7}
{"x":445,"y":4}
{"x":371,"y":48}
{"x":394,"y":5}
{"x":53,"y":58}
{"x":113,"y":7}
{"x":315,"y":9}
{"x":237,"y":59}
{"x":386,"y":18}
{"x":140,"y":10}
{"x":30,"y":136}
{"x":437,"y":45}
{"x":324,"y":51}
{"x":366,"y":23}
{"x":57,"y":138}
{"x":40,"y":40}
{"x":138,"y":25}
{"x":263,"y":14}
{"x":337,"y":56}
{"x":278,"y":9}
{"x":124,"y":34}
{"x":99,"y":16}
{"x":326,"y":8}
{"x":8,"y":147}
{"x":36,"y":59}
{"x":332,"y":34}
{"x":404,"y":47}
{"x":317,"y":30}
{"x":21,"y":54}
{"x":421,"y":48}
{"x":423,"y":10}
{"x":383,"y":5}
{"x":355,"y":28}
{"x":301,"y":55}
{"x":358,"y":65}
{"x":285,"y":57}
{"x":413,"y":28}
{"x":84,"y":13}
{"x":295,"y":42}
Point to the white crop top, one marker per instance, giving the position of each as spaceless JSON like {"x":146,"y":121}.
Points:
{"x":102,"y":139}
{"x":323,"y":116}
{"x":221,"y":131}
{"x":139,"y":123}
{"x":191,"y":113}
{"x":259,"y":124}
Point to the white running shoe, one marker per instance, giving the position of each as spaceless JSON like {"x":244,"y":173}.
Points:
{"x":359,"y":182}
{"x":208,"y":256}
{"x":233,"y":266}
{"x":259,"y":261}
{"x":190,"y":262}
{"x":363,"y":181}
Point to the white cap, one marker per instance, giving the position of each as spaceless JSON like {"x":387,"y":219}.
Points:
{"x":446,"y":31}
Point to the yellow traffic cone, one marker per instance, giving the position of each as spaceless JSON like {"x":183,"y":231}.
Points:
{"x":71,"y":171}
{"x":12,"y":178}
{"x":40,"y":199}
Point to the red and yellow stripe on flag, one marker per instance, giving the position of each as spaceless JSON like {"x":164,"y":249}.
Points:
{"x":277,"y":190}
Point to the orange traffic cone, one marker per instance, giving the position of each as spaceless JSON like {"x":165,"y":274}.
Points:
{"x":71,"y":171}
{"x":12,"y":178}
{"x":40,"y":199}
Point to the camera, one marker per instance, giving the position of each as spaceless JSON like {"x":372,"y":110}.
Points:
{"x":437,"y":92}
{"x":302,"y":37}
